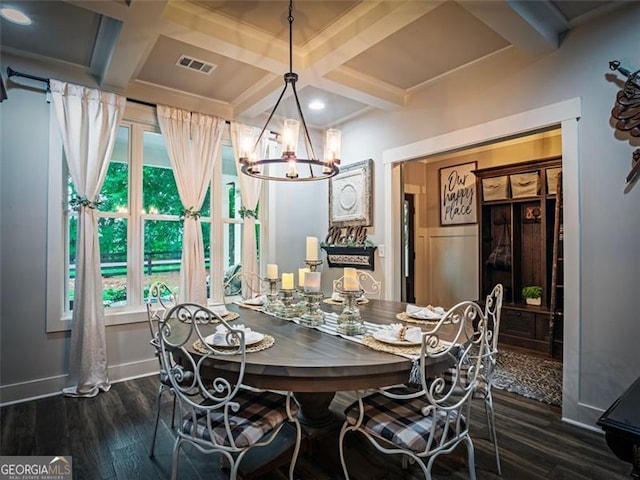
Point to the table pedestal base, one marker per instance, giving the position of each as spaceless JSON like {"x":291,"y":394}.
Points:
{"x":314,"y":409}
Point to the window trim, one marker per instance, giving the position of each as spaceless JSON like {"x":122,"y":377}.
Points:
{"x":138,"y":118}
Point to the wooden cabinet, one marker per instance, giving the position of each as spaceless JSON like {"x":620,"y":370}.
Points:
{"x":525,"y":210}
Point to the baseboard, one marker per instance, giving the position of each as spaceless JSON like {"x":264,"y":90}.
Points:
{"x":587,"y":418}
{"x":50,"y":386}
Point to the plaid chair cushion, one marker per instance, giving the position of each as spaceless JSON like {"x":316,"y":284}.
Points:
{"x":402,"y":422}
{"x":259,"y":413}
{"x":463,"y":381}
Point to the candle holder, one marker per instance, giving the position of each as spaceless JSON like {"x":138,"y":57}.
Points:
{"x":289,"y":307}
{"x":274,"y":304}
{"x":312,"y":315}
{"x":350,"y":321}
{"x":313,"y":264}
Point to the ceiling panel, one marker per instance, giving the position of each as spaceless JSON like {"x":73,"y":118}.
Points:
{"x":310,"y":17}
{"x":64,"y":32}
{"x":225,"y":83}
{"x":404,"y":62}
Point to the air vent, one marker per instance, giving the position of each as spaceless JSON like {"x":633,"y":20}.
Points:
{"x":195,"y":64}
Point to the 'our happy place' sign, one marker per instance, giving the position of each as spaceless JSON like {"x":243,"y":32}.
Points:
{"x":458,"y":194}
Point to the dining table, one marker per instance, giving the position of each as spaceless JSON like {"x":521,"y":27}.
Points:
{"x":315,"y":365}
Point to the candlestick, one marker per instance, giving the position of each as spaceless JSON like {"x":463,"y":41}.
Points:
{"x":272,"y":271}
{"x":312,"y":315}
{"x":274,"y":304}
{"x":350,"y":321}
{"x":289,"y":307}
{"x":312,"y":248}
{"x":313,"y":264}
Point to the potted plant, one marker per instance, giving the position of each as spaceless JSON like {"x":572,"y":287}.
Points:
{"x":532,"y":294}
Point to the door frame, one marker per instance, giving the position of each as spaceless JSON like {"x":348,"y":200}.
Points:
{"x":564,"y":114}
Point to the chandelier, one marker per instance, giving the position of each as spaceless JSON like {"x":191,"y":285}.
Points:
{"x":266,"y":168}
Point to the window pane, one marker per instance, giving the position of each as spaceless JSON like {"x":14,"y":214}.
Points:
{"x":70,"y":274}
{"x":231,"y":200}
{"x":159,"y":190}
{"x":232,"y":244}
{"x":113,"y":260}
{"x":115,"y":189}
{"x":162,"y":252}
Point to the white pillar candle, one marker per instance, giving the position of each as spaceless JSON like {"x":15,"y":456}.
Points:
{"x":350,"y":280}
{"x":301,"y":272}
{"x":287,"y":281}
{"x":312,"y":281}
{"x":272,"y":271}
{"x":312,"y":248}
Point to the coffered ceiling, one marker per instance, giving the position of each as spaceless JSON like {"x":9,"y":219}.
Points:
{"x":354,"y":55}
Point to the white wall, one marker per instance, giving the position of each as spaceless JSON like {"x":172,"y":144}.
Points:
{"x":609,"y":227}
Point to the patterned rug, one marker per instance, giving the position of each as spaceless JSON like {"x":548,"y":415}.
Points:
{"x":530,"y":376}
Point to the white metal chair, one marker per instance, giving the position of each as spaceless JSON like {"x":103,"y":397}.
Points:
{"x":159,"y":299}
{"x":428,"y":419}
{"x":492,"y":311}
{"x":241,"y":284}
{"x":371,"y":287}
{"x":222,"y":415}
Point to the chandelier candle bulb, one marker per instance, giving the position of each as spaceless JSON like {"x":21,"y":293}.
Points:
{"x":312,"y":248}
{"x":312,"y":282}
{"x":332,"y":146}
{"x":272,"y":271}
{"x":351,"y":279}
{"x":287,"y":281}
{"x":301,"y":276}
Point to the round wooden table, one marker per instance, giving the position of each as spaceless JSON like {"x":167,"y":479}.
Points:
{"x":316,"y":365}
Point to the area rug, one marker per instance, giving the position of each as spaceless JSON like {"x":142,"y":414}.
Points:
{"x":530,"y":376}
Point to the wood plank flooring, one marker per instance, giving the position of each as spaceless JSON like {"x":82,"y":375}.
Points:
{"x":108,"y":437}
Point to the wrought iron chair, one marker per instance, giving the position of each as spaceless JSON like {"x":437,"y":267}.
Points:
{"x":423,"y":420}
{"x":159,"y":299}
{"x":492,"y":311}
{"x":222,"y":415}
{"x":371,"y":287}
{"x":246,"y":285}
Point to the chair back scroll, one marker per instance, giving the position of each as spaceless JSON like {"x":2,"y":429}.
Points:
{"x":244,"y":284}
{"x":466,"y":324}
{"x":371,"y":287}
{"x":181,"y":327}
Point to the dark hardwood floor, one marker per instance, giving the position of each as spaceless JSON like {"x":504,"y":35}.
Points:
{"x":108,"y":437}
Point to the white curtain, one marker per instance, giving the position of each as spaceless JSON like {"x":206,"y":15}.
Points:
{"x":193,"y":142}
{"x":250,"y":188}
{"x":88,"y":120}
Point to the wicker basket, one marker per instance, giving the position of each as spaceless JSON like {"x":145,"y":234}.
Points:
{"x":495,"y":188}
{"x":525,"y":184}
{"x":552,"y":180}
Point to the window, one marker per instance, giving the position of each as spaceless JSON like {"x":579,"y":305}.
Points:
{"x":140,"y":225}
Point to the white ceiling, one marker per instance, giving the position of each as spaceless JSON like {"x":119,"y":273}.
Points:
{"x":355,"y":55}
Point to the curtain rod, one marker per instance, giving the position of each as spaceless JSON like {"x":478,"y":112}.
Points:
{"x":13,"y":73}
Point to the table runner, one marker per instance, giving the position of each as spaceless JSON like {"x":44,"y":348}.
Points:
{"x":330,"y":327}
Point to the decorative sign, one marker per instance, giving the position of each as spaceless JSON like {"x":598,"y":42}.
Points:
{"x":458,"y":195}
{"x":357,"y":257}
{"x":350,"y":195}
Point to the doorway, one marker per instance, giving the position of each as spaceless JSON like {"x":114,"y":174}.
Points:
{"x":564,"y":114}
{"x":408,"y":251}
